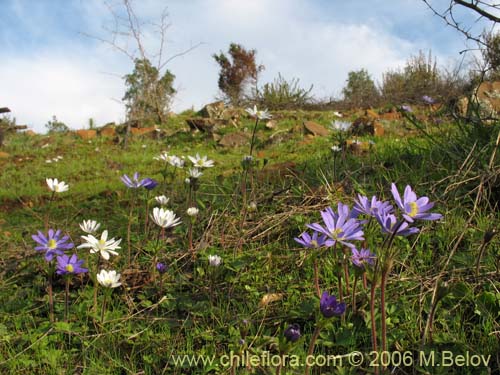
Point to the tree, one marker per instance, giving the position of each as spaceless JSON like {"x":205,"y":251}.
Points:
{"x":148,"y":95}
{"x":360,"y":91}
{"x":236,"y":72}
{"x":56,"y":126}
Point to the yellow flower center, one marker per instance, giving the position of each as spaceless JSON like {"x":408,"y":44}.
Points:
{"x":52,"y":244}
{"x":336,"y":232}
{"x":314,"y":243}
{"x":413,"y":209}
{"x":102,"y":242}
{"x":69,"y":268}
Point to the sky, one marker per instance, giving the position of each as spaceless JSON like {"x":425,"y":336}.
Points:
{"x":53,"y":60}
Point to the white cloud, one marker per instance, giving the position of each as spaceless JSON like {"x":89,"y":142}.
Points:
{"x":296,"y":38}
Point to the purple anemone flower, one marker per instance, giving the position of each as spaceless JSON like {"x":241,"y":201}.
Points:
{"x":428,"y":100}
{"x":361,"y":257}
{"x":132,"y":183}
{"x":67,"y":265}
{"x":363,"y":205}
{"x":292,"y":333}
{"x":311,"y":242}
{"x":412,"y":206}
{"x":161,"y":267}
{"x":329,"y":306}
{"x":52,"y":244}
{"x":389,"y":224}
{"x":149,"y":183}
{"x":406,"y":108}
{"x":339,"y":227}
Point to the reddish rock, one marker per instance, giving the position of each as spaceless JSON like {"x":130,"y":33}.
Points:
{"x":4,"y":155}
{"x":236,"y":139}
{"x":31,"y":133}
{"x":390,"y":116}
{"x":143,"y":131}
{"x":315,"y":129}
{"x":378,"y":129}
{"x":108,"y":132}
{"x":86,"y":134}
{"x":370,"y":113}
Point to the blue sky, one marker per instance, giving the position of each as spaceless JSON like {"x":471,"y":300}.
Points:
{"x":49,"y":67}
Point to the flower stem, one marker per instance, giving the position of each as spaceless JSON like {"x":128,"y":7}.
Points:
{"x":66,"y":301}
{"x":372,"y":318}
{"x":354,"y":294}
{"x":311,"y":346}
{"x":51,"y":299}
{"x":316,"y":277}
{"x":382,"y":311}
{"x":103,"y":306}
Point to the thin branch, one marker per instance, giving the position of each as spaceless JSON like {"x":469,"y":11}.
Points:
{"x":478,"y":9}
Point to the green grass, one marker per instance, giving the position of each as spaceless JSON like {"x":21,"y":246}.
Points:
{"x":266,"y":279}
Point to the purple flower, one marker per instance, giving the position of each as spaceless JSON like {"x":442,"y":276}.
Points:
{"x":370,"y":207}
{"x":413,"y":207}
{"x":361,"y":257}
{"x":406,"y":108}
{"x":149,"y":183}
{"x":53,"y":244}
{"x":311,"y":242}
{"x":329,"y":306}
{"x":161,"y":267}
{"x":339,"y":227}
{"x":389,"y":224}
{"x":428,"y":100}
{"x":292,"y":333}
{"x":69,"y":265}
{"x":135,"y":183}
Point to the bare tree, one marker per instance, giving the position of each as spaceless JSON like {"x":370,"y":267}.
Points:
{"x":126,"y":33}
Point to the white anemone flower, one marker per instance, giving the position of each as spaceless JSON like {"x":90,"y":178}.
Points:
{"x":162,"y":200}
{"x":201,"y":162}
{"x":109,"y":279}
{"x":56,"y":186}
{"x":336,"y":148}
{"x":175,"y":161}
{"x":165,"y":218}
{"x":192,"y":211}
{"x":103,"y":246}
{"x":337,"y":114}
{"x":195,"y":173}
{"x":214,"y":260}
{"x":261,"y":115}
{"x":90,"y":226}
{"x":342,"y":126}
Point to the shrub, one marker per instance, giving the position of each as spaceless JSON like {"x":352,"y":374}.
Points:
{"x":236,"y":72}
{"x":56,"y":126}
{"x":283,"y":94}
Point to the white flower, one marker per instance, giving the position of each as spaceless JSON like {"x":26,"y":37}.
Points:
{"x":187,"y":181}
{"x":252,"y":207}
{"x":56,"y":186}
{"x":48,"y":161}
{"x":336,"y":148}
{"x":337,"y":114}
{"x":59,"y":157}
{"x":214,"y":260}
{"x":261,"y":115}
{"x":195,"y":173}
{"x":192,"y":211}
{"x":341,"y":125}
{"x":104,"y":246}
{"x":109,"y":279}
{"x":90,"y":226}
{"x":201,"y":162}
{"x":162,"y":200}
{"x":175,"y":161}
{"x":165,"y":218}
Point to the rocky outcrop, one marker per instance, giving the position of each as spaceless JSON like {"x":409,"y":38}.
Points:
{"x":315,"y":129}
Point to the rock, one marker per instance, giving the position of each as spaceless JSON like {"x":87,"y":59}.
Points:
{"x":358,"y":147}
{"x":213,"y":110}
{"x":4,"y":155}
{"x":488,"y":97}
{"x":205,"y":125}
{"x":271,"y":124}
{"x":393,"y":115}
{"x":140,"y":132}
{"x":30,"y":133}
{"x":86,"y":134}
{"x":236,"y":139}
{"x":108,"y":131}
{"x":378,"y":129}
{"x":371,"y":114}
{"x":315,"y":129}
